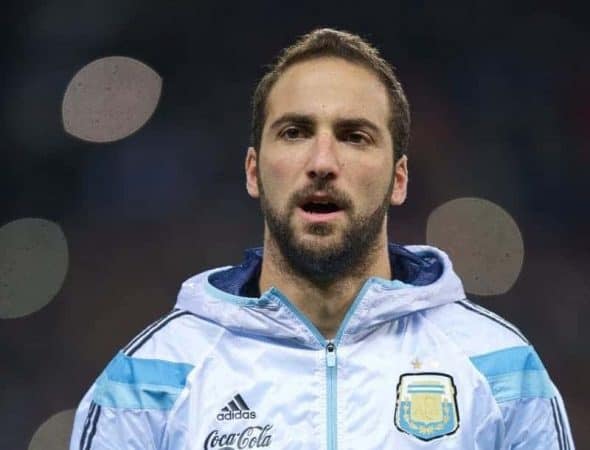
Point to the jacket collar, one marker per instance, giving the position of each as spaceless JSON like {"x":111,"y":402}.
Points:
{"x":424,"y":278}
{"x":408,"y":268}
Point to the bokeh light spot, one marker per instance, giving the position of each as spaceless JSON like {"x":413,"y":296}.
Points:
{"x":483,"y":241}
{"x":110,"y":98}
{"x":33,"y":265}
{"x":54,"y":433}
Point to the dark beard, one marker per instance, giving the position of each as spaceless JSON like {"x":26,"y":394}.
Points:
{"x":326,"y":264}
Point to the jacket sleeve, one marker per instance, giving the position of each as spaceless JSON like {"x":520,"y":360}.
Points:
{"x":532,"y":409}
{"x":537,"y":424}
{"x":128,"y":405}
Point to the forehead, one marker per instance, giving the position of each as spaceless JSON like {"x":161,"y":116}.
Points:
{"x":329,"y":87}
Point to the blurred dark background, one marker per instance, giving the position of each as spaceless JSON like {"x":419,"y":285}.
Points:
{"x":501,"y":110}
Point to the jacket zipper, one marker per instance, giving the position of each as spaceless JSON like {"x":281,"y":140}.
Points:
{"x":331,"y":404}
{"x":331,"y":366}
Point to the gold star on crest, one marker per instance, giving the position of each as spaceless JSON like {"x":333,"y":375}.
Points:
{"x":416,"y":363}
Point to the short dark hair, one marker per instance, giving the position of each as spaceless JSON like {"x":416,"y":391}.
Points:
{"x":326,"y":42}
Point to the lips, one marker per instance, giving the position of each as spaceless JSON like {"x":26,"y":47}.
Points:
{"x":320,"y":204}
{"x":320,"y":208}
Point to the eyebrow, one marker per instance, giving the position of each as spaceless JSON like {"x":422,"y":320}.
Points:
{"x":305,"y":119}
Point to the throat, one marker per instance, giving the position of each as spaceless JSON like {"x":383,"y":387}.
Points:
{"x":327,"y":313}
{"x":324,"y":302}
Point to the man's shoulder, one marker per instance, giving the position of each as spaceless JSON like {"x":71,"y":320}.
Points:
{"x":166,"y":338}
{"x":497,"y":349}
{"x":475,"y":329}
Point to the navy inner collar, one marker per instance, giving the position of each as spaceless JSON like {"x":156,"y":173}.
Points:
{"x":418,"y":269}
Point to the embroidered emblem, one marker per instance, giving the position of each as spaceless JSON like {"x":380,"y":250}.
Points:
{"x":426,"y":405}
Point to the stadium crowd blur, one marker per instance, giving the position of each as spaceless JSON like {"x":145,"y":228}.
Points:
{"x":500,"y":103}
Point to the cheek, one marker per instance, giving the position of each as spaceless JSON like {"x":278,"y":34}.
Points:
{"x":290,"y":158}
{"x":279,"y":170}
{"x":276,"y":179}
{"x":373,"y":184}
{"x":375,"y":172}
{"x":285,"y":166}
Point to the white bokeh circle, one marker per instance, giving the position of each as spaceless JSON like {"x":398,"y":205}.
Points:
{"x":33,"y":265}
{"x":483,"y":241}
{"x":110,"y":98}
{"x":54,"y":433}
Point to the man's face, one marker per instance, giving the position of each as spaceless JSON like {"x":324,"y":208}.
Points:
{"x":324,"y":172}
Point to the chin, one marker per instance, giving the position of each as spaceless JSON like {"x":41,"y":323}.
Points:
{"x":318,"y":241}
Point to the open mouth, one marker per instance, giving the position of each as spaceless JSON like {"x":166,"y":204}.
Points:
{"x":321,"y":207}
{"x":315,"y":207}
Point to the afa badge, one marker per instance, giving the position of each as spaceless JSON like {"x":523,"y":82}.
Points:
{"x":426,"y":405}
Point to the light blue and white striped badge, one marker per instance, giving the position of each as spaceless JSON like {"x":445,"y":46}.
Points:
{"x":426,"y":405}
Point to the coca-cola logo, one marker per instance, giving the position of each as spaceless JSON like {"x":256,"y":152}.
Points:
{"x":250,"y":437}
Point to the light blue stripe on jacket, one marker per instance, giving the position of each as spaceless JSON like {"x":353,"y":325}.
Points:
{"x":140,"y":383}
{"x":515,"y":373}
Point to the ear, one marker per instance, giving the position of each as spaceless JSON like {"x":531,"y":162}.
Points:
{"x":250,"y":165}
{"x":400,"y":182}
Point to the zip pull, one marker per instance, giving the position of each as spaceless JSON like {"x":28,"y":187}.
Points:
{"x":331,"y":355}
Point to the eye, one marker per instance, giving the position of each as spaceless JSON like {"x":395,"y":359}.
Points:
{"x":292,"y":133}
{"x":357,"y":138}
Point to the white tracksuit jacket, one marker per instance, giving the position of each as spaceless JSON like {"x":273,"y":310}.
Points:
{"x":414,"y":365}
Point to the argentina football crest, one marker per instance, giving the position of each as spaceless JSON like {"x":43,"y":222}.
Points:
{"x":426,"y":405}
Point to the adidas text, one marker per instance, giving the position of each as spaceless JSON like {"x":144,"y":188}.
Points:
{"x":235,"y":415}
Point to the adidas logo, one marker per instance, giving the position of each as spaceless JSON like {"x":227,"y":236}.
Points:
{"x":236,"y":409}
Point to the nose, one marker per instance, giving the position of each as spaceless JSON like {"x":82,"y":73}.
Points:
{"x":323,"y":162}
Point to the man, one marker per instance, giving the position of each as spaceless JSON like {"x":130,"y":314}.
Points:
{"x":328,"y":337}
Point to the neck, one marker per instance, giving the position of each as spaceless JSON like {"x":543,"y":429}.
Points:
{"x":323,"y":302}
